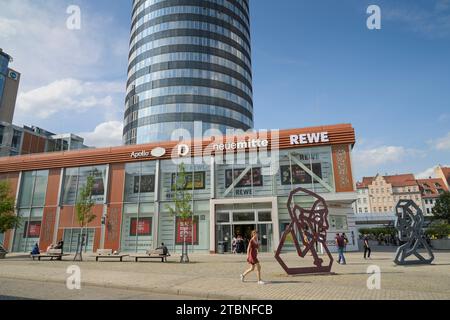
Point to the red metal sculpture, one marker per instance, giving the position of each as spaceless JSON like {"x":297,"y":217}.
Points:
{"x":311,"y":225}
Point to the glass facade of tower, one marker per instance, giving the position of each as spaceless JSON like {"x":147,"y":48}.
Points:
{"x":190,"y":60}
{"x":4,"y":61}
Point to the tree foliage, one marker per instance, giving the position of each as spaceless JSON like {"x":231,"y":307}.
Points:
{"x":438,"y":230}
{"x":85,"y":203}
{"x":441,"y":210}
{"x":182,"y":197}
{"x":377,"y":231}
{"x":8,"y":219}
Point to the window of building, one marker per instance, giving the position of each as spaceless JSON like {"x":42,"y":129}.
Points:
{"x":338,"y":223}
{"x":2,"y":130}
{"x":137,"y":227}
{"x":2,"y":85}
{"x":76,"y":178}
{"x":366,"y":210}
{"x":140,"y":181}
{"x":17,"y":137}
{"x":30,"y":205}
{"x":360,"y":210}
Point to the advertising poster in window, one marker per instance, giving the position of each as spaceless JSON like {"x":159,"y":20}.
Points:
{"x":143,"y":227}
{"x":246,"y":181}
{"x":197,"y":184}
{"x":98,"y":188}
{"x":146,"y":184}
{"x":191,"y":232}
{"x":299,"y":176}
{"x":32,"y":229}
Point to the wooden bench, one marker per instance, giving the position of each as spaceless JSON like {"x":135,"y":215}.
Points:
{"x":52,"y":254}
{"x":108,"y":254}
{"x":152,"y":254}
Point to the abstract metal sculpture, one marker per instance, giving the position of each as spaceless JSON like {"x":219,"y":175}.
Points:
{"x":311,"y":225}
{"x":409,"y":226}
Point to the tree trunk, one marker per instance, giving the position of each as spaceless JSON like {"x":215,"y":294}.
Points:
{"x":184,"y":252}
{"x":79,"y":251}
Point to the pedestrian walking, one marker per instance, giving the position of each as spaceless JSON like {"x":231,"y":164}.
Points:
{"x":345,"y":241}
{"x":234,"y":245}
{"x":340,"y":243}
{"x":367,"y":250}
{"x":252,"y":258}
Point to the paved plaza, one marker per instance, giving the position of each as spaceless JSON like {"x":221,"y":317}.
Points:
{"x":217,"y":277}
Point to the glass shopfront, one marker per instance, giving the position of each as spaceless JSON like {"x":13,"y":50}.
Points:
{"x":30,"y":210}
{"x":72,"y":236}
{"x":139,"y":208}
{"x":137,"y":227}
{"x":234,"y":228}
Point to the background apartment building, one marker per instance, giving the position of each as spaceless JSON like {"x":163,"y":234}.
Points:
{"x":380,"y":194}
{"x":444,"y":174}
{"x":16,"y":141}
{"x":431,"y":189}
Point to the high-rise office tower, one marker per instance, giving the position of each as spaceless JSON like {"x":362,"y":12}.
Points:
{"x":9,"y":85}
{"x":190,"y":60}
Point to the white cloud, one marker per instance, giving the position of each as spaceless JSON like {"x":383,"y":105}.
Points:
{"x":107,"y":134}
{"x":71,"y":79}
{"x":375,"y":157}
{"x":428,"y":173}
{"x":69,"y":95}
{"x":442,"y":144}
{"x":429,"y":21}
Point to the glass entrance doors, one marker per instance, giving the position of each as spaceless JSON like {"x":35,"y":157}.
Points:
{"x":234,"y":228}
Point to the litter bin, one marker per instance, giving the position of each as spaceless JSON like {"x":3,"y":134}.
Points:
{"x":221,"y":247}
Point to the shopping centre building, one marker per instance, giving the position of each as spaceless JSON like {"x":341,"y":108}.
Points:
{"x":238,"y":183}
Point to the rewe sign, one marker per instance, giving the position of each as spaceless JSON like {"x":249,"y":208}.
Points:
{"x":309,"y":138}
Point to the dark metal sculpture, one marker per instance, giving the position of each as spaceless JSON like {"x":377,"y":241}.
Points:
{"x":409,"y":225}
{"x":311,"y":225}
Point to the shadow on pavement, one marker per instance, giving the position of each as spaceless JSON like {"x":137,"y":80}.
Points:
{"x":287,"y":282}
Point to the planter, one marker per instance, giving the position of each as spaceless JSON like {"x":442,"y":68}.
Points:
{"x":441,"y":244}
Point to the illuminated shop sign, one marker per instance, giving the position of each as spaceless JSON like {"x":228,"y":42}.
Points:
{"x":309,"y":138}
{"x":253,"y":143}
{"x":157,"y":153}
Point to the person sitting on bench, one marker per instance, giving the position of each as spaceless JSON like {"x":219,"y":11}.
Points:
{"x":35,"y":250}
{"x":164,"y":249}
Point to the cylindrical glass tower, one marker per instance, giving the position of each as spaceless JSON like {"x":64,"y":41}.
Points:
{"x":190,"y":60}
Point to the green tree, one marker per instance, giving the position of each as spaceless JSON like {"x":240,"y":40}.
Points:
{"x":441,"y":210}
{"x":183,"y":207}
{"x":8,"y":219}
{"x":83,"y":208}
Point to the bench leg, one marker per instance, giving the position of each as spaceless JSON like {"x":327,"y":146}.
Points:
{"x":121,"y":259}
{"x":136,"y":259}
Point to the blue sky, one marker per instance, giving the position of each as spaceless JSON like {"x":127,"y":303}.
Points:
{"x":315,"y":63}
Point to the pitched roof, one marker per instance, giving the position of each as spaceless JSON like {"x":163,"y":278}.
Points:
{"x":446,"y":171}
{"x":429,"y":187}
{"x":400,"y":180}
